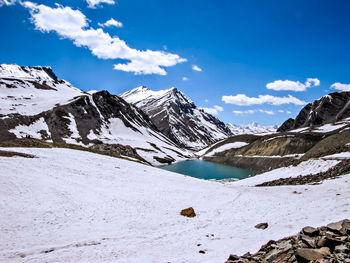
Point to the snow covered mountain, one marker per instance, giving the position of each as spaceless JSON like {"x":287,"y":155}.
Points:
{"x":177,"y":117}
{"x":253,"y":128}
{"x":328,"y":109}
{"x":34,"y":104}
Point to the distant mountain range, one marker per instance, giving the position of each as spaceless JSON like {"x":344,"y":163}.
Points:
{"x":150,"y":126}
{"x":34,"y":104}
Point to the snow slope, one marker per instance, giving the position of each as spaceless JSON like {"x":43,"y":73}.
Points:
{"x":72,"y":206}
{"x":32,"y":90}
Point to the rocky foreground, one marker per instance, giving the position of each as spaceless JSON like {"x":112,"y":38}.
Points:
{"x":327,"y":244}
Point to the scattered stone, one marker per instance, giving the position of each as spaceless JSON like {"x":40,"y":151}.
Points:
{"x":310,"y":231}
{"x":328,"y":244}
{"x":189,"y":212}
{"x":312,"y":253}
{"x":340,"y":169}
{"x":201,"y":251}
{"x":262,"y":226}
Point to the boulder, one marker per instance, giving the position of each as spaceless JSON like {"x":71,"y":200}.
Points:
{"x":189,"y":212}
{"x":312,"y":253}
{"x":262,"y":226}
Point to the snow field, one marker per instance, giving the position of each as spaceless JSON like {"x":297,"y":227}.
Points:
{"x":73,"y":206}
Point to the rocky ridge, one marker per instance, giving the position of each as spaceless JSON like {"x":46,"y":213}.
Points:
{"x":177,"y":117}
{"x":34,"y":104}
{"x":327,"y":244}
{"x":328,"y":109}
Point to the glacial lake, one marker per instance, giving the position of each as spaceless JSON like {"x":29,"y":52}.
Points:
{"x":207,"y":170}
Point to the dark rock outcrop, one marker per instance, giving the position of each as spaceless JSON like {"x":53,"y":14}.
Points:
{"x":328,"y":109}
{"x":178,"y":118}
{"x":328,"y":244}
{"x":337,"y":170}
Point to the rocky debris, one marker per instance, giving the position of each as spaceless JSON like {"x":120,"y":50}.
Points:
{"x":328,"y":109}
{"x":189,"y":212}
{"x":337,"y":170}
{"x":12,"y":154}
{"x":327,"y":244}
{"x":262,"y":226}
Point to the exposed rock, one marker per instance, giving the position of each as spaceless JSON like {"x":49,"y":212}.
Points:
{"x":294,"y":249}
{"x":189,"y":212}
{"x":178,"y":118}
{"x":337,"y":170}
{"x":312,"y":253}
{"x":262,"y":226}
{"x":328,"y":109}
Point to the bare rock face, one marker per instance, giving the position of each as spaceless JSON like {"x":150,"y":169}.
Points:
{"x":330,"y":108}
{"x":189,"y":212}
{"x":178,"y":118}
{"x":327,"y":244}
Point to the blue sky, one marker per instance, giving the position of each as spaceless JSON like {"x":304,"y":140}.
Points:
{"x":240,"y":46}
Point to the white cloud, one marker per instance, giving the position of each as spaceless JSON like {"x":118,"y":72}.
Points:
{"x":95,"y":3}
{"x":7,"y":2}
{"x":239,"y":112}
{"x":312,"y":82}
{"x":196,"y":68}
{"x":73,"y":25}
{"x":269,"y":112}
{"x":244,"y":100}
{"x":341,"y":86}
{"x":206,"y":100}
{"x":288,"y":112}
{"x":214,"y":110}
{"x":281,"y":111}
{"x":293,"y":85}
{"x":111,"y":22}
{"x":184,"y":78}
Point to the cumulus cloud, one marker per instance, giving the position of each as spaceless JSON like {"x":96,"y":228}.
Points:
{"x":214,"y":110}
{"x":196,"y":68}
{"x":341,"y":86}
{"x":239,"y":112}
{"x":111,"y":22}
{"x":244,"y":100}
{"x":96,"y":3}
{"x":293,"y":85}
{"x":184,"y":78}
{"x":269,"y":112}
{"x":73,"y":25}
{"x":7,"y":2}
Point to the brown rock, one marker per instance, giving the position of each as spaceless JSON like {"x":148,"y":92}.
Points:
{"x":310,"y":231}
{"x":189,"y":212}
{"x":262,"y":226}
{"x":311,"y":253}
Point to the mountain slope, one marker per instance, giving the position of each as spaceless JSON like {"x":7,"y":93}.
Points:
{"x":35,"y":104}
{"x":177,"y":117}
{"x":328,"y":109}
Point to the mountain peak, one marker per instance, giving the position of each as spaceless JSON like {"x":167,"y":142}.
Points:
{"x":27,"y":72}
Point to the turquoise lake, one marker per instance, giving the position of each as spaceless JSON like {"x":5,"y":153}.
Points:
{"x":207,"y":170}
